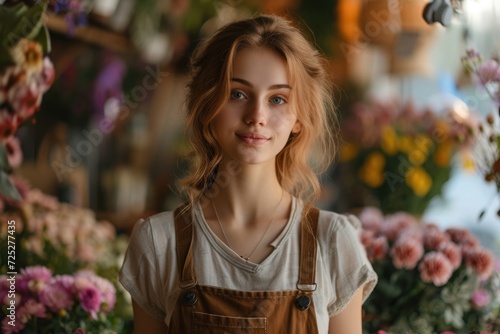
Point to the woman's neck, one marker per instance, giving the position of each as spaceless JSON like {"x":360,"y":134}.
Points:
{"x":246,"y":193}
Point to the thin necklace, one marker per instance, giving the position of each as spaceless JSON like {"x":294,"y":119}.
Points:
{"x":263,"y":235}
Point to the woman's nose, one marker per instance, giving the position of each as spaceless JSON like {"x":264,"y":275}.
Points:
{"x":256,"y":113}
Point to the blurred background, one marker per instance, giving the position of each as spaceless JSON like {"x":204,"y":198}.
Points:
{"x":418,"y":103}
{"x":109,"y":133}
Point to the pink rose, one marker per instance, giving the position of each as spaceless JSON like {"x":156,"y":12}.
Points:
{"x":406,"y":253}
{"x":436,"y":268}
{"x":397,"y":223}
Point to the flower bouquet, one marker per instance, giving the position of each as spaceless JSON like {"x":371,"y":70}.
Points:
{"x":430,"y":281}
{"x":397,"y":158}
{"x":40,"y":302}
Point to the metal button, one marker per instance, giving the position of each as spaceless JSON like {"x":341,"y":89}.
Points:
{"x":303,"y":302}
{"x":189,"y":298}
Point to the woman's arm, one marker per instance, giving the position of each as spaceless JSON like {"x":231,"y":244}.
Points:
{"x":349,"y":320}
{"x":145,"y":323}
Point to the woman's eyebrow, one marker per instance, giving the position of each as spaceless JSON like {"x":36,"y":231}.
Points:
{"x":272,"y":87}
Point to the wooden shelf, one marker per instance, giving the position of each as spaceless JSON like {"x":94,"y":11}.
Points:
{"x":93,"y":35}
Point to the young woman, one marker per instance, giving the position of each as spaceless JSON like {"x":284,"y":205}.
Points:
{"x":248,"y":253}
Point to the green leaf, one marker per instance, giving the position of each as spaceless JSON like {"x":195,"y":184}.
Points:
{"x":7,"y":189}
{"x":28,"y":25}
{"x":43,"y":37}
{"x":4,"y":161}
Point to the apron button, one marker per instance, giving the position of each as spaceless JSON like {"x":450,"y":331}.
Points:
{"x":303,"y":302}
{"x":189,"y":298}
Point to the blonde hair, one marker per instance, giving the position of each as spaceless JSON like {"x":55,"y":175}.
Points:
{"x":209,"y":89}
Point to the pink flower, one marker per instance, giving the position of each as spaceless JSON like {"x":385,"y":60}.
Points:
{"x":8,"y":329}
{"x":86,"y":278}
{"x":90,"y":299}
{"x":79,"y":331}
{"x":366,"y":237}
{"x":480,"y":298}
{"x":396,"y":223}
{"x":406,"y":253}
{"x":378,"y":249}
{"x":8,"y":122}
{"x":435,"y":268}
{"x":382,"y":332}
{"x":35,"y":308}
{"x":56,"y":297}
{"x":481,"y":261}
{"x":487,"y":72}
{"x":462,"y":236}
{"x":371,"y":219}
{"x":452,"y":252}
{"x":14,"y":153}
{"x":29,"y":309}
{"x":447,"y":332}
{"x":66,"y":282}
{"x":33,"y":277}
{"x":434,"y":238}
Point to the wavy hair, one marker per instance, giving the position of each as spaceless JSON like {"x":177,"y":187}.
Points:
{"x":308,"y":152}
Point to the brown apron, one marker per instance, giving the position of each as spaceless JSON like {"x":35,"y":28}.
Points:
{"x":207,"y":309}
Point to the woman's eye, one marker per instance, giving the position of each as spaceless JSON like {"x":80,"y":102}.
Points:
{"x":277,"y":100}
{"x":236,"y":95}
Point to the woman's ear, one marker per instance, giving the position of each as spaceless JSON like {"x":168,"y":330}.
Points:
{"x":296,"y":127}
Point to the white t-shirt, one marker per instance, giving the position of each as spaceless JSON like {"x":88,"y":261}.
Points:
{"x":150,"y":272}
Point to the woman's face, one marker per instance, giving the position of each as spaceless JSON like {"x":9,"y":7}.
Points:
{"x":255,"y":123}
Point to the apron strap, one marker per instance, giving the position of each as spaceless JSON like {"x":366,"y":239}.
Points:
{"x":184,"y":236}
{"x":308,"y":249}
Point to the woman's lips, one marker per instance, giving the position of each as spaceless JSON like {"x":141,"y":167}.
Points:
{"x":252,"y":138}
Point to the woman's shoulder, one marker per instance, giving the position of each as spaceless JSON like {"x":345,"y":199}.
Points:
{"x":161,"y":223}
{"x":335,"y":221}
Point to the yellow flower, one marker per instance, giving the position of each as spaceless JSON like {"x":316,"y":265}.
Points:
{"x":348,"y":151}
{"x":389,"y":140}
{"x":375,"y":160}
{"x":419,"y":181}
{"x":372,"y":171}
{"x":443,"y":154}
{"x":405,"y":144}
{"x":417,"y":157}
{"x":373,"y":177}
{"x":424,"y":143}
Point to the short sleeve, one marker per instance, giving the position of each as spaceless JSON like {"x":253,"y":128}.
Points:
{"x":350,"y":268}
{"x":139,"y":272}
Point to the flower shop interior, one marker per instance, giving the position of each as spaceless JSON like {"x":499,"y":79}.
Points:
{"x":92,"y":140}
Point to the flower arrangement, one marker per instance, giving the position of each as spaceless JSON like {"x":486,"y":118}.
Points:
{"x":398,"y":158}
{"x":26,"y":73}
{"x":65,"y":240}
{"x":486,"y":75}
{"x":429,"y":280}
{"x":45,"y":303}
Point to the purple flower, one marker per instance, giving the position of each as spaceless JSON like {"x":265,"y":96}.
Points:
{"x":90,"y":299}
{"x":488,"y":72}
{"x":56,"y":297}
